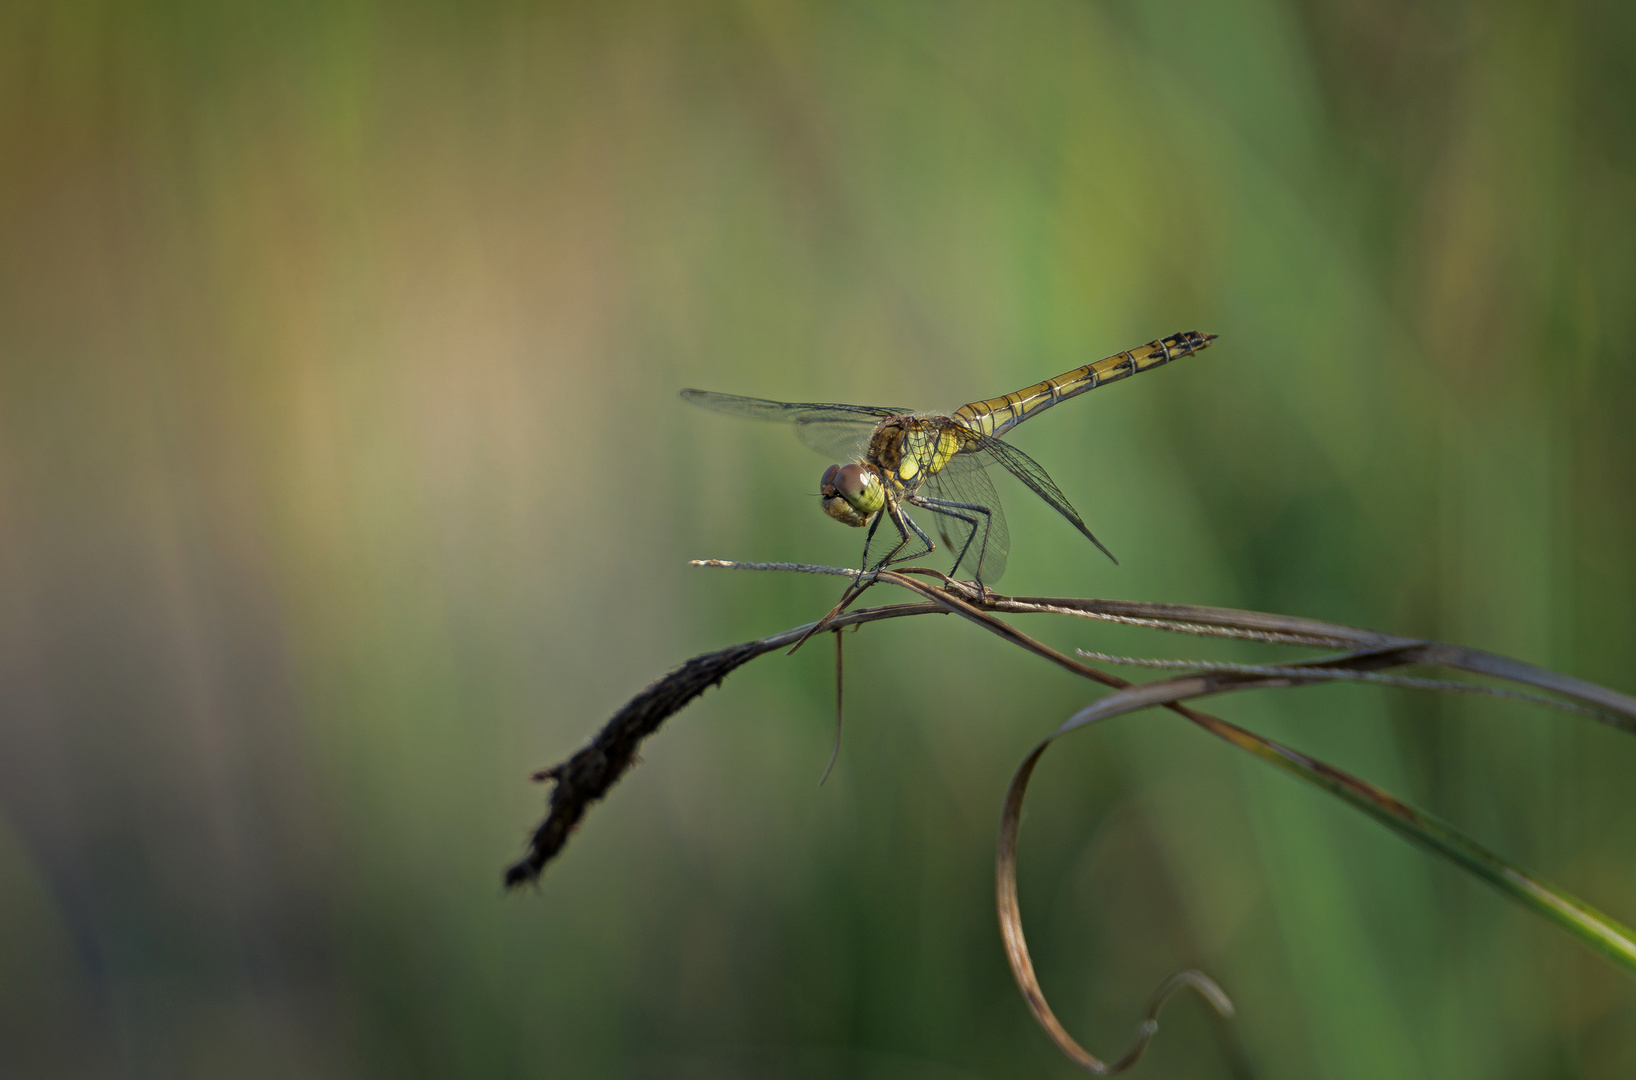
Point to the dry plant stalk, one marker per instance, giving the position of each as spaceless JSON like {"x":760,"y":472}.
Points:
{"x":1369,"y":656}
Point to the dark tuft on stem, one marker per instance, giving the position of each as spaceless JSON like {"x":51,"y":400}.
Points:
{"x":587,"y":776}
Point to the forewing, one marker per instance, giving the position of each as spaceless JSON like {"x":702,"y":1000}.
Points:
{"x":965,"y":481}
{"x":1033,"y":474}
{"x":837,"y":431}
{"x":836,"y":438}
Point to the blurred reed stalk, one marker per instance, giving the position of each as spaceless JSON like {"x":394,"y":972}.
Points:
{"x":1368,"y":656}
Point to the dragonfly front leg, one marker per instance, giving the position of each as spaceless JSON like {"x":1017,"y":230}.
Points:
{"x":952,"y":510}
{"x":869,"y":538}
{"x":904,"y":523}
{"x":856,"y":587}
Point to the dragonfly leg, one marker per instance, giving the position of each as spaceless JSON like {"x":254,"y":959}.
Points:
{"x":853,"y":590}
{"x":904,"y":523}
{"x":924,"y":539}
{"x":870,"y":538}
{"x":859,"y":584}
{"x":952,"y":509}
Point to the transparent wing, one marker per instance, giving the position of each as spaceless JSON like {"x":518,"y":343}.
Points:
{"x":1033,"y":474}
{"x":836,"y":431}
{"x":788,"y":411}
{"x":837,"y":440}
{"x":962,"y":498}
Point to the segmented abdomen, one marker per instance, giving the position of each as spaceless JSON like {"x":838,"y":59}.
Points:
{"x":999,"y":415}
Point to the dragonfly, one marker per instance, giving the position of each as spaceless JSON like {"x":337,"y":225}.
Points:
{"x":896,"y":459}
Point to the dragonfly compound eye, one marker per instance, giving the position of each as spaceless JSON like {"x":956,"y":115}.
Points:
{"x":850,"y":494}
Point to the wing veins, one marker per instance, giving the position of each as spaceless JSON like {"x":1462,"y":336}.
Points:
{"x":835,"y":430}
{"x":1033,"y":474}
{"x":788,"y":411}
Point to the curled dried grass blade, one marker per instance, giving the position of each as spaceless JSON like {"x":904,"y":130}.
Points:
{"x":1009,"y":909}
{"x":1597,"y":930}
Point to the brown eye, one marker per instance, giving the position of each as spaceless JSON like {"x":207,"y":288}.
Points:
{"x":827,"y":485}
{"x":849,"y":481}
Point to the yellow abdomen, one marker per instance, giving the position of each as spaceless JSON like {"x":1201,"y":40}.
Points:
{"x":999,"y":415}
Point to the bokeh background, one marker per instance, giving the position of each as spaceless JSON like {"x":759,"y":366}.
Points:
{"x":343,"y":482}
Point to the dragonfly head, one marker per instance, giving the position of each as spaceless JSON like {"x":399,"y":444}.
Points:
{"x":851,"y":494}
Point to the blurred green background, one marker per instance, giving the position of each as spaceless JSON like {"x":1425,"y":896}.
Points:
{"x":343,"y":482}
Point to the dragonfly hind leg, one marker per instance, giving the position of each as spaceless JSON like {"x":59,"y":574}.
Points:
{"x":952,"y":510}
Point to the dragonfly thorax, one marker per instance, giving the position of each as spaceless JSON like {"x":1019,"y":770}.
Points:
{"x":851,"y":494}
{"x":908,"y":450}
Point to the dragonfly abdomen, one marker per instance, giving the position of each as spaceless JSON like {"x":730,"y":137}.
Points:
{"x":999,"y":415}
